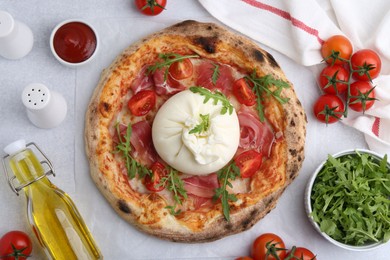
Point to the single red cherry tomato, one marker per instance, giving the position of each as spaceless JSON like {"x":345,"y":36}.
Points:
{"x":243,"y":92}
{"x":268,"y":246}
{"x":362,"y":96}
{"x":336,"y":46}
{"x":328,"y":108}
{"x":151,"y":7}
{"x":15,"y":245}
{"x":181,"y":69}
{"x":244,"y":258}
{"x":334,"y":79}
{"x":153,"y":182}
{"x":301,"y":253}
{"x":248,"y":162}
{"x":366,"y":64}
{"x":141,"y":103}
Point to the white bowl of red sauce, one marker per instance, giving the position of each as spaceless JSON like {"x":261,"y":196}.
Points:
{"x":74,"y":42}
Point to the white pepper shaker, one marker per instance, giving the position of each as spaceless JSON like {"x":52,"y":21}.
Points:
{"x":45,"y":108}
{"x":16,"y":38}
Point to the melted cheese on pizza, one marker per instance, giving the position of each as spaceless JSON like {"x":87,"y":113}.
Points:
{"x":193,"y":136}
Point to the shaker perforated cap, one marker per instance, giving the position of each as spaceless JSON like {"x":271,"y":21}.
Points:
{"x":15,"y":147}
{"x":35,"y":96}
{"x":7,"y":23}
{"x":45,"y":108}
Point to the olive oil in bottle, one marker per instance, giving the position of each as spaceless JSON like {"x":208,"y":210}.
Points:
{"x":52,"y":214}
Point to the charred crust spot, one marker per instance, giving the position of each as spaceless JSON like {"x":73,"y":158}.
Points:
{"x":293,"y":152}
{"x":123,"y":207}
{"x":259,"y":56}
{"x":106,"y":107}
{"x":207,"y":43}
{"x":272,"y":61}
{"x":210,"y":28}
{"x":292,"y":122}
{"x":228,"y":226}
{"x":299,"y":158}
{"x":246,"y":223}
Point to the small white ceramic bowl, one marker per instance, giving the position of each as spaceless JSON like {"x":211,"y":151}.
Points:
{"x":68,"y":63}
{"x":308,"y":207}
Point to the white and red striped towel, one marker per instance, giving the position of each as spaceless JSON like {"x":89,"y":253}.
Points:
{"x":298,"y":29}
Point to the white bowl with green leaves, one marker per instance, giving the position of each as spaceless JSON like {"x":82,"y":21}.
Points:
{"x":348,"y":199}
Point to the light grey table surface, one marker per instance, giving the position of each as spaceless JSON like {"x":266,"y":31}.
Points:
{"x":118,"y":25}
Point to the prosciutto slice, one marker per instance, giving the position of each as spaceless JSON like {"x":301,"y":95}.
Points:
{"x":253,"y":133}
{"x":141,"y":142}
{"x":142,"y":81}
{"x":169,"y":86}
{"x":202,"y":186}
{"x":201,"y":189}
{"x":205,"y":72}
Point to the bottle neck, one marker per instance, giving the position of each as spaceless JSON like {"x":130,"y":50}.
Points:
{"x":26,"y":166}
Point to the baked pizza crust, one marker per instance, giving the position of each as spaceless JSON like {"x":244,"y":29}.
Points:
{"x":147,"y":211}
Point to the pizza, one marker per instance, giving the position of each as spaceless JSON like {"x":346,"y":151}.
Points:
{"x":193,"y":133}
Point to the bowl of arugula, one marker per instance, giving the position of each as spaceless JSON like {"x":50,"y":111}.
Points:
{"x":347,"y":199}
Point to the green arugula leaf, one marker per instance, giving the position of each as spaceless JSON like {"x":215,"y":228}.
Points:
{"x":229,"y":172}
{"x":216,"y":97}
{"x":124,"y":147}
{"x":167,"y":60}
{"x":351,"y":199}
{"x":215,"y":75}
{"x":175,"y":184}
{"x":269,"y":86}
{"x":203,"y":126}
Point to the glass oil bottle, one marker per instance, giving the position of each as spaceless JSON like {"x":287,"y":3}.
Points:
{"x":52,"y":214}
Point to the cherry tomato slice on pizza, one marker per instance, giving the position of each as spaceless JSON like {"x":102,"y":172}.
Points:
{"x":362,"y":96}
{"x":151,"y":7}
{"x":248,"y":162}
{"x":153,"y":182}
{"x":328,"y":108}
{"x":141,"y":103}
{"x":268,"y":246}
{"x":181,"y":69}
{"x":243,"y":92}
{"x":336,"y":46}
{"x":366,"y":64}
{"x":334,"y":79}
{"x":15,"y":245}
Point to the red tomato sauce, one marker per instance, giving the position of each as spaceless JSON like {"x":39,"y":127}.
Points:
{"x":75,"y":42}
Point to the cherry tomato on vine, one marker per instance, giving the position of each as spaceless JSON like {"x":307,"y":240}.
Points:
{"x":141,"y":103}
{"x":244,"y":258}
{"x":181,"y":69}
{"x":336,"y":46}
{"x":300,"y":253}
{"x":151,"y":7}
{"x":362,"y":96}
{"x":328,"y":108}
{"x":244,"y":93}
{"x":15,"y":245}
{"x":368,"y":64}
{"x":248,"y":162}
{"x":152,"y":182}
{"x":334,"y":79}
{"x":268,"y":246}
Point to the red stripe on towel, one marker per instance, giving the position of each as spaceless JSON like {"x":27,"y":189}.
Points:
{"x":375,"y":126}
{"x":286,"y":15}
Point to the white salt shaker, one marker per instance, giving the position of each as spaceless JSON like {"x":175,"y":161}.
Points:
{"x":16,"y":38}
{"x":45,"y":108}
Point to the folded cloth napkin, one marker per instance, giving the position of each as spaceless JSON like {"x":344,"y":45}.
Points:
{"x":298,"y":28}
